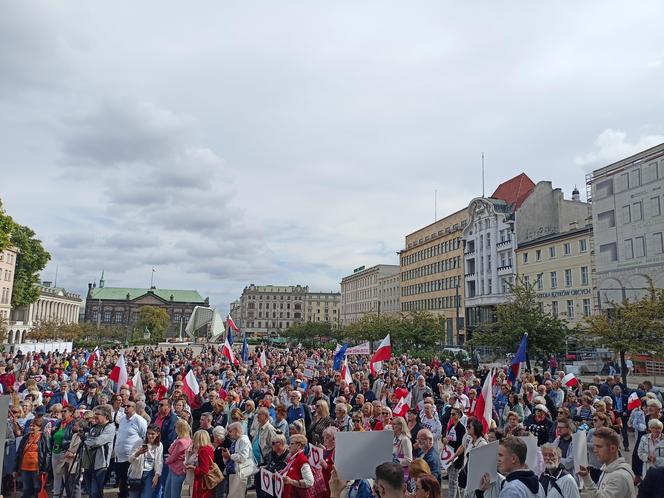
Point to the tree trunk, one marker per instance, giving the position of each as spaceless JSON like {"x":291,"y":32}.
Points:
{"x":623,"y":367}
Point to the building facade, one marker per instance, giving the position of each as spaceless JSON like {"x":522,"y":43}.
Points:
{"x":628,"y":237}
{"x":489,"y":245}
{"x":7,"y":269}
{"x":388,"y":292}
{"x":431,"y":273}
{"x":269,"y":309}
{"x":360,"y":293}
{"x":55,"y":304}
{"x":323,"y":307}
{"x":559,"y":268}
{"x":120,"y":306}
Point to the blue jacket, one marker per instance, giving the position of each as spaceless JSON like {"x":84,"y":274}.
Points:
{"x":58,"y":396}
{"x":433,"y":459}
{"x":168,"y":434}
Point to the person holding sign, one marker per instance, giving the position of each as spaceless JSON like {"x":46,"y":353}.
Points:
{"x":275,"y":461}
{"x":298,"y":476}
{"x":520,"y":482}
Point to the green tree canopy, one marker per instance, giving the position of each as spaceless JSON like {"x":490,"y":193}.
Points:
{"x":6,"y":228}
{"x":155,"y":320}
{"x":309,"y":333}
{"x":520,"y":314}
{"x":31,"y":259}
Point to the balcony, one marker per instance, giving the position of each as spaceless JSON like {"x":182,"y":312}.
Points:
{"x":469,"y":275}
{"x":504,"y":270}
{"x":469,"y":252}
{"x":504,"y":243}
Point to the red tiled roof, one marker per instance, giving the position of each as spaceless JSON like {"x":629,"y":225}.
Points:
{"x":515,"y":190}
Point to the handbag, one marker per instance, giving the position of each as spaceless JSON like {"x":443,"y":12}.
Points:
{"x":463,"y":477}
{"x":135,"y":484}
{"x":213,"y":478}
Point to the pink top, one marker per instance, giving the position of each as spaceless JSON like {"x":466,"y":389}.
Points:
{"x":176,"y":454}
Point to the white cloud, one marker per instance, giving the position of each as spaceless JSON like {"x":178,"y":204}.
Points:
{"x":612,"y":145}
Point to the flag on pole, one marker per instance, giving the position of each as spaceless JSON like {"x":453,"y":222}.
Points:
{"x":231,"y":328}
{"x":339,"y":356}
{"x":190,"y":386}
{"x":228,"y":352}
{"x":384,"y":352}
{"x":345,"y":373}
{"x":633,"y":401}
{"x":136,"y":382}
{"x":570,"y":380}
{"x":119,"y":374}
{"x":484,"y":406}
{"x":262,"y":360}
{"x":93,"y":357}
{"x":403,"y":406}
{"x":245,"y":349}
{"x":519,"y":358}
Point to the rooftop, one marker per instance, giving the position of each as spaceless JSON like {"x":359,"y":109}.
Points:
{"x":515,"y":190}
{"x":120,"y":293}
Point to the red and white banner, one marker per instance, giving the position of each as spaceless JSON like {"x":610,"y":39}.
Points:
{"x":119,"y":374}
{"x":267,"y":486}
{"x":315,"y":456}
{"x":278,"y":485}
{"x":633,"y":401}
{"x":570,"y":380}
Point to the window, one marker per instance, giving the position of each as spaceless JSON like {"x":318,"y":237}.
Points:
{"x":526,"y":280}
{"x":567,"y":249}
{"x":554,"y":308}
{"x":637,"y":211}
{"x":624,"y":181}
{"x":604,"y":189}
{"x":583,"y":245}
{"x":635,"y":178}
{"x":568,"y":278}
{"x":539,"y":282}
{"x":107,"y":316}
{"x":658,"y":243}
{"x":655,"y":207}
{"x":628,"y":249}
{"x":177,"y":318}
{"x":586,"y":307}
{"x":554,"y":280}
{"x":608,"y":252}
{"x":607,"y":219}
{"x":584,"y":275}
{"x":627,"y":214}
{"x":570,"y":309}
{"x":118,"y":317}
{"x":95,"y":315}
{"x":538,"y":255}
{"x":639,"y":247}
{"x":552,"y":252}
{"x":488,"y":287}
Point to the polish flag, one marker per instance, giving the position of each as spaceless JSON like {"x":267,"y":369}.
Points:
{"x":484,"y":405}
{"x":345,"y":373}
{"x":384,"y":352}
{"x":403,"y":405}
{"x":231,"y":323}
{"x":119,"y":374}
{"x":228,"y":352}
{"x":190,"y":386}
{"x":262,"y":360}
{"x":570,"y":380}
{"x":633,"y":401}
{"x":93,"y":357}
{"x":136,"y":382}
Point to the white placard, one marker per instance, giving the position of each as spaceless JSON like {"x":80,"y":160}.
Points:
{"x":315,"y":456}
{"x":267,"y":486}
{"x":310,"y":363}
{"x":446,"y":457}
{"x":359,"y":349}
{"x":580,"y":448}
{"x":357,"y":454}
{"x":482,"y":460}
{"x":308,"y":373}
{"x":531,"y":456}
{"x":278,"y":484}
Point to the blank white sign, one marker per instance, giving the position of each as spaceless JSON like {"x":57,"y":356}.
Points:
{"x":357,"y":454}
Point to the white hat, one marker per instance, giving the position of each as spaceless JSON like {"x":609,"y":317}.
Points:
{"x":542,"y":407}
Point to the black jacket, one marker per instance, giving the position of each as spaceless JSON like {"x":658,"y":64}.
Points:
{"x":44,"y":453}
{"x":651,"y":486}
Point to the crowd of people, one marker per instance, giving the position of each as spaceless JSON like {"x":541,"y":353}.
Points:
{"x":73,"y":431}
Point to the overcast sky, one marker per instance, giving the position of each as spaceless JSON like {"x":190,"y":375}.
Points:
{"x":288,"y":142}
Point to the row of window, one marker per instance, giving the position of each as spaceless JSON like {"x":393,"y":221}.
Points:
{"x":437,"y":303}
{"x":281,"y":298}
{"x":267,"y":324}
{"x":6,"y":295}
{"x":432,"y":286}
{"x":567,"y":251}
{"x":553,"y":278}
{"x":635,"y":247}
{"x":7,"y":256}
{"x":430,"y":252}
{"x":251,"y":306}
{"x":119,"y":317}
{"x":632,"y":212}
{"x":431,"y":269}
{"x":630,"y":179}
{"x":570,"y":306}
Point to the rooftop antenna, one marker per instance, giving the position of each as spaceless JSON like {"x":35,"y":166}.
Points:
{"x":55,"y":280}
{"x":435,"y":205}
{"x":482,"y":174}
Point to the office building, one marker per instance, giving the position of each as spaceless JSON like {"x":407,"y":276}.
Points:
{"x":360,"y":294}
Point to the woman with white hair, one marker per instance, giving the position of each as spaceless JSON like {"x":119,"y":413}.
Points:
{"x":651,"y":447}
{"x":239,"y":460}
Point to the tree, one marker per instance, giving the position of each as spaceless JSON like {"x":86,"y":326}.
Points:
{"x":520,"y":314}
{"x":154,"y":320}
{"x":6,"y":228}
{"x":31,"y":259}
{"x":309,"y":333}
{"x":52,"y":331}
{"x":629,"y":326}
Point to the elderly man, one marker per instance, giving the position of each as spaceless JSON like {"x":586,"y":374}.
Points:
{"x":131,"y":433}
{"x":263,"y":436}
{"x":420,"y":391}
{"x":430,"y":455}
{"x":556,"y":480}
{"x":239,"y":460}
{"x":99,"y":444}
{"x":617,"y":479}
{"x":297,"y":410}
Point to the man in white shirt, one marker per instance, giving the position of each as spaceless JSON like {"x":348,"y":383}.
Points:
{"x":131,"y":434}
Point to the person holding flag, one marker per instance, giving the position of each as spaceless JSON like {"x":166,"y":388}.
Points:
{"x":245,"y":349}
{"x":520,"y":357}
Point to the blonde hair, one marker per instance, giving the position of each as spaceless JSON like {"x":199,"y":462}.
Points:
{"x":401,"y":423}
{"x":324,"y":407}
{"x":418,"y":467}
{"x":182,"y":429}
{"x":201,"y":438}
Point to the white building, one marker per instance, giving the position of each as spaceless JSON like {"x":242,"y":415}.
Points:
{"x":360,"y":294}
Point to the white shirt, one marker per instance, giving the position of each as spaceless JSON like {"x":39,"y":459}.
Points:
{"x":131,"y":434}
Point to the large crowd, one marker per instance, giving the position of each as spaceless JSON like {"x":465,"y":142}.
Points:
{"x":73,"y":431}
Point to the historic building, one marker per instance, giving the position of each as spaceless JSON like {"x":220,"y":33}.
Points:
{"x":431,"y":273}
{"x":55,"y":304}
{"x":269,"y":309}
{"x":7,"y":269}
{"x":627,"y":202}
{"x":119,"y":306}
{"x":489,"y":245}
{"x":323,"y":307}
{"x":360,"y":292}
{"x":388,"y":292}
{"x":559,"y":268}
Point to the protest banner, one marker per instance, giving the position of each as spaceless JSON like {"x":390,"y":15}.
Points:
{"x":531,"y":456}
{"x":315,"y":456}
{"x":357,"y":454}
{"x":482,"y":460}
{"x":446,"y":457}
{"x":278,"y":484}
{"x":267,"y":486}
{"x":359,"y":349}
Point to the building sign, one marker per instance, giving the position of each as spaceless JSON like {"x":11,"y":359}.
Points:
{"x":564,"y":293}
{"x":356,"y":270}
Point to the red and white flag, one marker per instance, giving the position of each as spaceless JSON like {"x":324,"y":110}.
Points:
{"x":383,"y":353}
{"x":119,"y":374}
{"x":231,"y":323}
{"x":94,"y":356}
{"x":484,"y":406}
{"x":136,"y":382}
{"x":633,"y":401}
{"x":190,"y":386}
{"x":345,"y":373}
{"x":570,"y":380}
{"x":262,"y":360}
{"x":403,"y":405}
{"x":228,"y":352}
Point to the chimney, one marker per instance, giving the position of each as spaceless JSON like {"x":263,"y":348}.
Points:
{"x":89,"y":286}
{"x":575,"y":194}
{"x":574,"y":225}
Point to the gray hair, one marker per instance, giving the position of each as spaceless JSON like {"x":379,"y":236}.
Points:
{"x":552,"y":447}
{"x":235,"y":425}
{"x":655,"y":424}
{"x":219,"y":432}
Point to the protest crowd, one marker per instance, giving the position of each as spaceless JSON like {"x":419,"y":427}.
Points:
{"x":157,"y":422}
